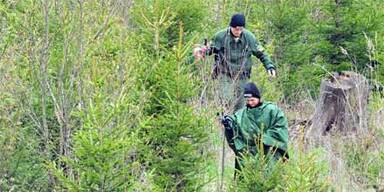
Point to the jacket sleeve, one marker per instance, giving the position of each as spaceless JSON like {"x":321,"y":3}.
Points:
{"x":230,"y":133}
{"x":276,"y":135}
{"x":233,"y":136}
{"x":259,"y":52}
{"x":216,"y":45}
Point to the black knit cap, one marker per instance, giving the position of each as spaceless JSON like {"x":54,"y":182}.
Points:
{"x":250,"y":90}
{"x":237,"y":20}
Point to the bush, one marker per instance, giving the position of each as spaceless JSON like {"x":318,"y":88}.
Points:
{"x":302,"y":172}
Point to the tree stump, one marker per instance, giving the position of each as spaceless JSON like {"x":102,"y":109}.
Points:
{"x":342,"y":105}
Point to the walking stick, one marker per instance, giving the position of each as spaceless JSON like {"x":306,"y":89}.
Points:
{"x":222,"y":156}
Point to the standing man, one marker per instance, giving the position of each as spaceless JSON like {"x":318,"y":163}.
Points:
{"x":233,"y":48}
{"x":259,"y":125}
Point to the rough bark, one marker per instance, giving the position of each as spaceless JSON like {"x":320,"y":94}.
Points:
{"x":342,"y":105}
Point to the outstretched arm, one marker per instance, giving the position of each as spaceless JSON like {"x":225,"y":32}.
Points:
{"x":259,"y":52}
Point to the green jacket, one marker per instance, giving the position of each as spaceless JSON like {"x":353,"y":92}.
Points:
{"x":266,"y":123}
{"x":234,"y":57}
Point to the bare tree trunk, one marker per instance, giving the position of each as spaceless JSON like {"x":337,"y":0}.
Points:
{"x":44,"y":90}
{"x":81,"y":57}
{"x":337,"y":13}
{"x":64,"y":98}
{"x":126,"y":6}
{"x":342,"y":106}
{"x":218,"y":7}
{"x":65,"y":133}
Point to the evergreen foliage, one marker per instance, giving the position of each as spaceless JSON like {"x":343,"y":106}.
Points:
{"x":98,"y":95}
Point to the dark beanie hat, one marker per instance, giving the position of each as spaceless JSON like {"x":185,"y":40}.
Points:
{"x":237,"y":20}
{"x":250,"y":90}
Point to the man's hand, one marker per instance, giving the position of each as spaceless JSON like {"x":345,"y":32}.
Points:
{"x":199,"y":52}
{"x":271,"y":72}
{"x":226,"y":121}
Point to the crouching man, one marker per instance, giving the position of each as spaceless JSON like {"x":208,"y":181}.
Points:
{"x":258,"y":125}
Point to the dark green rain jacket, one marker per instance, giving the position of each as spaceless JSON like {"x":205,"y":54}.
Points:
{"x":234,"y":57}
{"x":266,"y":123}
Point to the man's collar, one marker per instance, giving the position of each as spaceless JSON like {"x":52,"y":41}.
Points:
{"x":233,"y":37}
